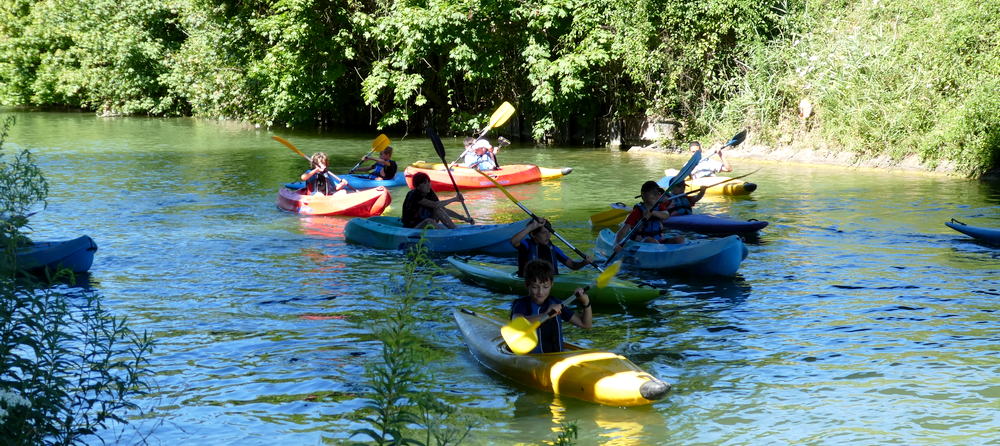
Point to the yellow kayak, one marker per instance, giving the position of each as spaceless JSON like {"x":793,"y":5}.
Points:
{"x":547,"y":173}
{"x":730,"y":188}
{"x":590,"y":375}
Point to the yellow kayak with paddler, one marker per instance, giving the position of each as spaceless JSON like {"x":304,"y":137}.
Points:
{"x":732,"y":188}
{"x":590,"y":375}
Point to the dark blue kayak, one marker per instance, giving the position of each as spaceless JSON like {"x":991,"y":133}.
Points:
{"x":987,"y":235}
{"x":704,"y":223}
{"x":76,"y":255}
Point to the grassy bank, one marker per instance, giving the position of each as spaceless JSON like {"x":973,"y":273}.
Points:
{"x":882,"y":78}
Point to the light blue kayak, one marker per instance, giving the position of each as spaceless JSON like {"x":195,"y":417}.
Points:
{"x":76,"y":255}
{"x":987,"y":235}
{"x":360,"y":182}
{"x":709,"y":257}
{"x":389,"y":233}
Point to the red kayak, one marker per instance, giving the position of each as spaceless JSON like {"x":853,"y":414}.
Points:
{"x":466,"y":178}
{"x":364,"y":203}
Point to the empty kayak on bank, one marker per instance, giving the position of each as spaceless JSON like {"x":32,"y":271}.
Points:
{"x":362,"y":203}
{"x":589,"y":375}
{"x":735,"y":187}
{"x":389,"y":233}
{"x":76,"y":255}
{"x":465,"y":178}
{"x":988,"y":235}
{"x":708,"y":257}
{"x":503,"y":278}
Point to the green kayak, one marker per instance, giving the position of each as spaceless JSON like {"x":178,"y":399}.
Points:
{"x":503,"y":278}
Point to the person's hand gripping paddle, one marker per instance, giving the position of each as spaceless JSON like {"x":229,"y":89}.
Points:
{"x":378,"y":145}
{"x":520,"y":334}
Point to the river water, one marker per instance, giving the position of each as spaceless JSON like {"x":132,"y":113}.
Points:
{"x":858,"y":317}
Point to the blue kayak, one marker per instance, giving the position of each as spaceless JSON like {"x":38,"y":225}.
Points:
{"x":360,"y":182}
{"x":389,"y":233}
{"x":987,"y":235}
{"x":710,"y":257}
{"x":76,"y":255}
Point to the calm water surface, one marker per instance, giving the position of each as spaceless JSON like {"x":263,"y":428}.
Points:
{"x":858,"y":318}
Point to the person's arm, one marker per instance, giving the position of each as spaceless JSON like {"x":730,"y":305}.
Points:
{"x":309,"y":174}
{"x":725,"y":162}
{"x":699,"y":195}
{"x":531,"y":226}
{"x":583,"y":317}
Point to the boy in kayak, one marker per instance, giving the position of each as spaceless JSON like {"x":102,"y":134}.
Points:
{"x":652,"y":230}
{"x":383,"y":169}
{"x":709,"y":167}
{"x":538,"y":278}
{"x":422,"y":206}
{"x":483,"y":159}
{"x":535,"y":242}
{"x":683,"y":205}
{"x":318,"y":179}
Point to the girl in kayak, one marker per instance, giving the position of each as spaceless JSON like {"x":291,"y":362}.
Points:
{"x":537,"y":305}
{"x":422,"y":206}
{"x":383,"y":169}
{"x":683,"y":205}
{"x":652,"y":229}
{"x":484,"y":156}
{"x":535,"y":242}
{"x":318,"y":179}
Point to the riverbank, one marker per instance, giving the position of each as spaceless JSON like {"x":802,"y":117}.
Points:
{"x":824,"y":156}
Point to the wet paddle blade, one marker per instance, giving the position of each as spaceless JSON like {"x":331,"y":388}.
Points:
{"x":737,"y":139}
{"x":520,"y":335}
{"x":609,"y":273}
{"x":380,"y":143}
{"x":685,"y":171}
{"x":501,"y":115}
{"x":289,"y":145}
{"x":436,"y":141}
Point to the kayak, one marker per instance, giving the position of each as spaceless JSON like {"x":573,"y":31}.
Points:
{"x":503,"y":278}
{"x":709,"y":257}
{"x":465,"y":178}
{"x":363,"y":203}
{"x":363,"y":182}
{"x":700,"y":223}
{"x":988,"y":235}
{"x":589,"y":375}
{"x":76,"y":255}
{"x":735,"y":187}
{"x":389,"y":233}
{"x":360,"y":182}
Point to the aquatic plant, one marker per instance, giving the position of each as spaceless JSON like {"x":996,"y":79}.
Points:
{"x":402,"y":405}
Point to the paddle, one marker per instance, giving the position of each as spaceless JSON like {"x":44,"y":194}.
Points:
{"x":520,"y":335}
{"x":681,"y":174}
{"x":536,"y":218}
{"x":614,"y":214}
{"x":378,"y":145}
{"x":439,"y":148}
{"x":296,"y":150}
{"x":500,"y":116}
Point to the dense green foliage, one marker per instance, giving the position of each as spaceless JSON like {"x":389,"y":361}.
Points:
{"x":68,"y":368}
{"x":884,"y":77}
{"x":890,"y":78}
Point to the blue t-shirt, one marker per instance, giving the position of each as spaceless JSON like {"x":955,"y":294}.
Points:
{"x":549,"y":333}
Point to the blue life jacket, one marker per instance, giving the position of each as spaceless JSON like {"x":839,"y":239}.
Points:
{"x":528,"y":250}
{"x":652,"y":228}
{"x":549,"y":334}
{"x":680,"y":206}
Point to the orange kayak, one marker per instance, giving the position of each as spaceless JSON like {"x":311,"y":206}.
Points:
{"x":364,"y":203}
{"x":466,"y":178}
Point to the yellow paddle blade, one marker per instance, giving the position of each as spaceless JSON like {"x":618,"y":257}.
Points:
{"x":608,"y":274}
{"x":289,"y":145}
{"x":609,"y":217}
{"x":501,"y":115}
{"x":520,"y":335}
{"x":380,"y":143}
{"x":502,"y":189}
